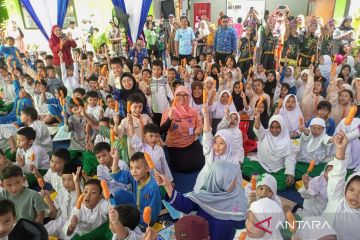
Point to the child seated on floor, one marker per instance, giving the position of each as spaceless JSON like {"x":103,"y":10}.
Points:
{"x":323,"y":110}
{"x":314,"y":145}
{"x":59,"y":158}
{"x":144,"y":188}
{"x":217,"y":109}
{"x":314,"y":193}
{"x":52,"y":81}
{"x":110,"y":109}
{"x":42,"y":107}
{"x":76,"y":125}
{"x":124,"y":220}
{"x":106,"y":156}
{"x":4,"y":162}
{"x":218,"y":202}
{"x":92,"y":214}
{"x":149,"y":143}
{"x":265,"y":187}
{"x":270,"y":214}
{"x":57,"y":106}
{"x":104,"y":123}
{"x":64,"y":201}
{"x":93,"y":107}
{"x":30,"y":155}
{"x":28,"y":203}
{"x":13,"y":229}
{"x":138,"y":119}
{"x":343,"y":208}
{"x":275,"y":153}
{"x":254,"y":90}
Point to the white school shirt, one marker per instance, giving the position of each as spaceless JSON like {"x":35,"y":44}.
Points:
{"x":100,"y":138}
{"x":110,"y":113}
{"x":217,"y":110}
{"x":43,"y":137}
{"x":135,"y":234}
{"x":42,"y":108}
{"x":160,"y":94}
{"x":70,"y":82}
{"x":6,"y":131}
{"x":315,"y":197}
{"x":95,"y":111}
{"x":89,"y":219}
{"x":65,"y":201}
{"x":41,"y":161}
{"x":103,"y":173}
{"x":312,"y":149}
{"x":8,"y":92}
{"x":157,"y":155}
{"x":54,"y":179}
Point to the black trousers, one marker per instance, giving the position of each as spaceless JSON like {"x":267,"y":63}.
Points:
{"x":221,"y":57}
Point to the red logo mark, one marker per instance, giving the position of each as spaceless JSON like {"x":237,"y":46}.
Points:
{"x":258,"y":225}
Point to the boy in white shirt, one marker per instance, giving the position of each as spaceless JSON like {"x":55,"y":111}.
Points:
{"x":29,"y":117}
{"x":42,"y":107}
{"x":93,"y":108}
{"x":29,"y":154}
{"x":150,"y":144}
{"x":70,"y":80}
{"x":110,"y":110}
{"x":65,"y":201}
{"x":92,"y":213}
{"x":160,"y":91}
{"x":105,"y":155}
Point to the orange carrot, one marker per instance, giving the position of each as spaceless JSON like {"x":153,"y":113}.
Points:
{"x":253,"y":183}
{"x":104,"y":70}
{"x":261,"y":99}
{"x":351,"y":115}
{"x":242,"y":236}
{"x":14,"y":65}
{"x":311,"y":166}
{"x":76,"y":101}
{"x":32,"y":158}
{"x":17,"y":54}
{"x":175,"y":101}
{"x":280,"y":103}
{"x":312,"y":58}
{"x":292,"y":221}
{"x":128,"y":107}
{"x":300,"y":121}
{"x":230,"y":100}
{"x":105,"y":189}
{"x":149,"y":161}
{"x":41,"y":182}
{"x":112,"y":136}
{"x":241,"y":86}
{"x":100,"y":103}
{"x":116,"y":106}
{"x":214,"y":82}
{"x":204,"y":96}
{"x":147,"y":215}
{"x":299,"y":62}
{"x":80,"y":201}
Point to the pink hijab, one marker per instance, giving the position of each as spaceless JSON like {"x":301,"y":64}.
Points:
{"x":184,"y":111}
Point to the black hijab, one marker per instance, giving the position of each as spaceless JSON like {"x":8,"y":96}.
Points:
{"x":199,"y":100}
{"x":269,"y":87}
{"x":342,"y":25}
{"x":238,"y":101}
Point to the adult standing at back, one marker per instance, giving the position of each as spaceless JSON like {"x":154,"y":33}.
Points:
{"x":60,"y":42}
{"x":184,"y":40}
{"x":225,"y":42}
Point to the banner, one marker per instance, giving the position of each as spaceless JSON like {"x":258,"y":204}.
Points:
{"x":201,"y":11}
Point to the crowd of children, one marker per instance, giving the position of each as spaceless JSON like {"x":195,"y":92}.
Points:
{"x":253,"y":128}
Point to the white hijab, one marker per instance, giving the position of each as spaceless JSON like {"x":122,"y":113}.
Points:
{"x":291,"y":117}
{"x":326,"y":67}
{"x":279,"y":146}
{"x":315,"y":142}
{"x":290,"y":80}
{"x":265,"y":208}
{"x":219,"y":108}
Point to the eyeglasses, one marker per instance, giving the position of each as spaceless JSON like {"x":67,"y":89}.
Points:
{"x":182,"y":95}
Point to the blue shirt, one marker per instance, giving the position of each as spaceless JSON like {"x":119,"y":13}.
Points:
{"x":146,"y":195}
{"x":185,"y":37}
{"x":225,"y":40}
{"x":330,"y":126}
{"x":139,"y":54}
{"x":7,"y":51}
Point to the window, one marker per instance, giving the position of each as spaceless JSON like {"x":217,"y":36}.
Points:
{"x":30,"y":24}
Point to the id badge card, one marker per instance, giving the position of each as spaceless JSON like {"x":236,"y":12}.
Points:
{"x":191,"y":131}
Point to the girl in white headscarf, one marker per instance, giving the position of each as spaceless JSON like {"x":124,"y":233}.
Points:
{"x":289,"y":76}
{"x":292,"y":114}
{"x":301,"y":83}
{"x":265,"y":187}
{"x":314,"y":192}
{"x":261,"y":210}
{"x":314,"y":145}
{"x":231,"y":122}
{"x":217,"y":148}
{"x":275,"y":152}
{"x":343,"y":208}
{"x":325,"y":67}
{"x":217,"y":110}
